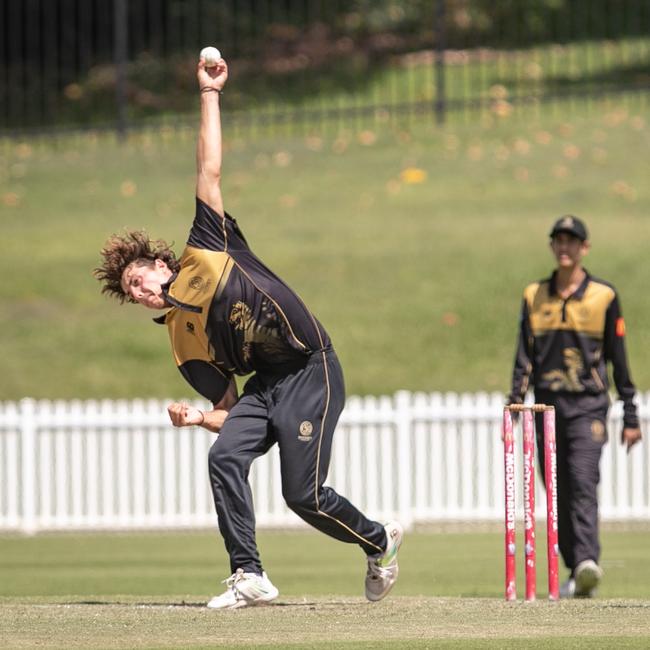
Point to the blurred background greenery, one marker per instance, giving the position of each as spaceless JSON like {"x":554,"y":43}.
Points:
{"x":398,"y":163}
{"x":307,"y":62}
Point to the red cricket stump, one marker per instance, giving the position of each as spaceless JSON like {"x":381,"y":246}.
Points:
{"x":509,"y":462}
{"x":550,"y":476}
{"x":529,"y":505}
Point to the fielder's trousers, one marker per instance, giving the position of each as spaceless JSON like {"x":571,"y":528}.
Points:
{"x":298,"y":410}
{"x":581,"y":434}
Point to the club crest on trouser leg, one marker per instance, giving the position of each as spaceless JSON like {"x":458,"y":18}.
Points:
{"x":306,"y":429}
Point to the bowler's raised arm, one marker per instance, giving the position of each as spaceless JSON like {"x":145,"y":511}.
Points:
{"x":208,"y":149}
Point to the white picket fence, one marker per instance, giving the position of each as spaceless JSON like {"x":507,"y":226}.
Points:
{"x":415,"y":457}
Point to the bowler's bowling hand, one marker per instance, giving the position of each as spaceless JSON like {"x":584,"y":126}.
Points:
{"x":630,"y":436}
{"x":214,"y":77}
{"x":183,"y":415}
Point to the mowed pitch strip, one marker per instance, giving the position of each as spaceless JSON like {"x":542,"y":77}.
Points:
{"x":331,"y":622}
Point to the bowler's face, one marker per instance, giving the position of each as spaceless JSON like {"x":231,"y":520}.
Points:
{"x":568,"y":249}
{"x":143,"y":284}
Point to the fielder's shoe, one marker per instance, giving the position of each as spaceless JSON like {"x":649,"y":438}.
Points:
{"x":244,"y":590}
{"x":383,"y":569}
{"x":568,"y":589}
{"x":587,"y":576}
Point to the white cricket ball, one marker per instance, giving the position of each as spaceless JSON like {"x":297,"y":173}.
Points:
{"x":211,"y":56}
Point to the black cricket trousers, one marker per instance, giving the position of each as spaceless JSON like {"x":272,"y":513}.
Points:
{"x":298,"y":410}
{"x":581,"y":434}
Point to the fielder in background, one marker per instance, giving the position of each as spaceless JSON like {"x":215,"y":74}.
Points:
{"x":571,"y":326}
{"x":227,"y":314}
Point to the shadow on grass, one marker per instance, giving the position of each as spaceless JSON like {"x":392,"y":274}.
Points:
{"x":621,"y":77}
{"x":184,"y":604}
{"x":120,"y":603}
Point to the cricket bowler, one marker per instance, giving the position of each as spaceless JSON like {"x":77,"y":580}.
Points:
{"x":228,"y":314}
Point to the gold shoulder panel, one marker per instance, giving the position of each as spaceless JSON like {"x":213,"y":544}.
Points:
{"x":532,"y":290}
{"x":202,"y":274}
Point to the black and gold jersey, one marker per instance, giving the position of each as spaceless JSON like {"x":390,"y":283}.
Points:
{"x":230,"y":313}
{"x":564,"y":344}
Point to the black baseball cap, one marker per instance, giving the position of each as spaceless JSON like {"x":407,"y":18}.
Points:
{"x":572,"y":225}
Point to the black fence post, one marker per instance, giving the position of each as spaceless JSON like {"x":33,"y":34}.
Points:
{"x":120,"y":58}
{"x":440,"y":44}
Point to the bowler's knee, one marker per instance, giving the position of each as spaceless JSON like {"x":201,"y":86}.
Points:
{"x":299,"y":500}
{"x":222,"y":461}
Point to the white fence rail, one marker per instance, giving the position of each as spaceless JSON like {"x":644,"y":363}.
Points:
{"x":416,"y":457}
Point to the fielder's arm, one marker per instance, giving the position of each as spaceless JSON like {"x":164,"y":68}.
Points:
{"x":208,"y":148}
{"x":184,"y":415}
{"x":614,"y":348}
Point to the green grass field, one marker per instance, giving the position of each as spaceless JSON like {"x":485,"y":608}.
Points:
{"x":148,"y":590}
{"x":412,"y":244}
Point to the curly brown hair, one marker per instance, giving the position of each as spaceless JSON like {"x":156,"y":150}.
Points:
{"x":122,"y":250}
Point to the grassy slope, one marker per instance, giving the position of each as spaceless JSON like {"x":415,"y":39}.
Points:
{"x":418,"y":284}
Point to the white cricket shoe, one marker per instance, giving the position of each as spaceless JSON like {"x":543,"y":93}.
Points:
{"x":587,"y":576}
{"x":568,"y":589}
{"x":382,"y":568}
{"x":245,"y":590}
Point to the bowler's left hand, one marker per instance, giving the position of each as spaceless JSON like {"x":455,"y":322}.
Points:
{"x":183,"y":415}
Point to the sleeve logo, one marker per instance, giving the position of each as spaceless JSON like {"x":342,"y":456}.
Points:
{"x":620,"y":327}
{"x":306,"y":429}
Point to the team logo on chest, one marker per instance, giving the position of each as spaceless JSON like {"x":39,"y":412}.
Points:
{"x":305,"y":431}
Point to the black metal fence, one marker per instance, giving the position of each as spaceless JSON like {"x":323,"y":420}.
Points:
{"x":124,"y":63}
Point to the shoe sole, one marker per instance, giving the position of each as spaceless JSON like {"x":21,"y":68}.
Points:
{"x":262,"y":601}
{"x":250,"y":602}
{"x":236,"y":605}
{"x":246,"y":603}
{"x":374,"y":598}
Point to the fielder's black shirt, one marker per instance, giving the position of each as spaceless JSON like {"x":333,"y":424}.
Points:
{"x":564,"y":345}
{"x":231,"y":314}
